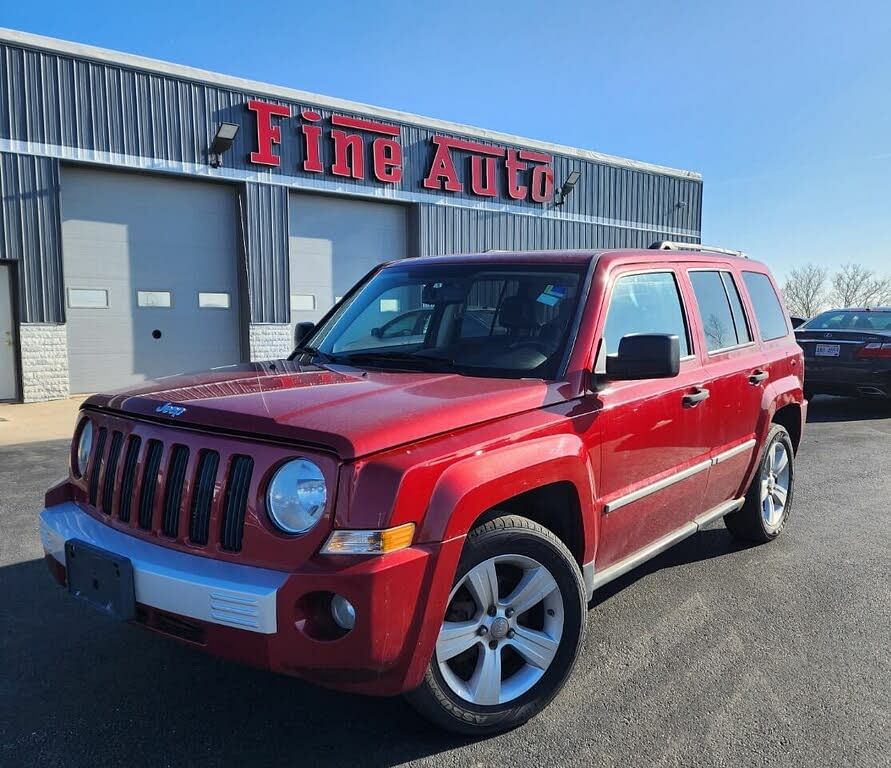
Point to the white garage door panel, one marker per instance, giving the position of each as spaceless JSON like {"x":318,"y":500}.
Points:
{"x":334,"y":242}
{"x":126,"y":233}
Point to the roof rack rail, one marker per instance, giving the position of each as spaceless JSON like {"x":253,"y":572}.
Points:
{"x":673,"y":245}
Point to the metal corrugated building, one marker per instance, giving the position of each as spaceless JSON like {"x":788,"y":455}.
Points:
{"x":121,"y":233}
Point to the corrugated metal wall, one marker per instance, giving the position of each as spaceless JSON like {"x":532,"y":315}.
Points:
{"x":30,"y":233}
{"x":443,"y":229}
{"x":263,"y":210}
{"x":108,"y":113}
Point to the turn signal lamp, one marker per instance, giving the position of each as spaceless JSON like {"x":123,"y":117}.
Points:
{"x":378,"y":542}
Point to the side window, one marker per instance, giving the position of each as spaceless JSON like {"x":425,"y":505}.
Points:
{"x":768,"y":311}
{"x":647,"y":303}
{"x":720,"y":308}
{"x":743,"y":332}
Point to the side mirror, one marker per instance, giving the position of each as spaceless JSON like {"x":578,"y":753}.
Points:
{"x":302,"y":331}
{"x":376,"y":332}
{"x":645,"y":356}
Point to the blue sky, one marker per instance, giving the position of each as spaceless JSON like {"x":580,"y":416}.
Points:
{"x":784,"y":107}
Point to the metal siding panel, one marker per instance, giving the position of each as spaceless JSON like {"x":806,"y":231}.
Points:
{"x":30,"y":234}
{"x":264,"y":228}
{"x":51,"y":97}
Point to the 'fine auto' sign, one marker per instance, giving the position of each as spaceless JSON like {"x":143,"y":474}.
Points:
{"x":367,"y":149}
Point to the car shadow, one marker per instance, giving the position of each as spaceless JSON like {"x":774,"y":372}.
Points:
{"x":704,"y":545}
{"x":81,"y":689}
{"x":827,"y":408}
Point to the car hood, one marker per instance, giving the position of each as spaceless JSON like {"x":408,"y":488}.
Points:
{"x":349,"y":411}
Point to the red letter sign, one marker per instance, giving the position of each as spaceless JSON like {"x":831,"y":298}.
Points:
{"x":267,"y":133}
{"x":515,"y":190}
{"x":387,"y":154}
{"x":312,"y":135}
{"x":442,"y":168}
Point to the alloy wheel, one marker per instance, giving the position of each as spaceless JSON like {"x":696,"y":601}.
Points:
{"x":503,"y":627}
{"x":775,"y":482}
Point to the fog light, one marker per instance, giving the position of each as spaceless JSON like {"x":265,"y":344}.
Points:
{"x":343,"y":613}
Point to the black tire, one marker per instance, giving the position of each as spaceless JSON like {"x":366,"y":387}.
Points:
{"x":748,"y":523}
{"x":510,"y":535}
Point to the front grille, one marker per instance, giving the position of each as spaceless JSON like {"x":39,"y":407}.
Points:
{"x":129,"y":478}
{"x":202,"y":498}
{"x":150,"y":483}
{"x":111,"y":468}
{"x":173,"y":495}
{"x":162,"y":482}
{"x":236,"y":500}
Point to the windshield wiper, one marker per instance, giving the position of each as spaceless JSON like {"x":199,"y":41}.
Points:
{"x":313,"y":352}
{"x":425,"y":362}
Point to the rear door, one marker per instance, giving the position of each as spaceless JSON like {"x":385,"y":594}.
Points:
{"x":655,"y":446}
{"x":734,"y":376}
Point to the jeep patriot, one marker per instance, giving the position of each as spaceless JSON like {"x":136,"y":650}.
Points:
{"x":424,"y":496}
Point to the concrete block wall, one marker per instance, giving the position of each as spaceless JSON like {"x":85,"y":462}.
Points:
{"x":270,"y":341}
{"x":44,"y":361}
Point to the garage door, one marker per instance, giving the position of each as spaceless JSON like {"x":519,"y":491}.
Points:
{"x":150,"y":269}
{"x":333,"y":243}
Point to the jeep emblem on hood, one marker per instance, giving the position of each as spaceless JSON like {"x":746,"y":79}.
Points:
{"x":169,"y":409}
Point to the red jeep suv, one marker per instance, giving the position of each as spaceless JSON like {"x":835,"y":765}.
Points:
{"x":423,"y":498}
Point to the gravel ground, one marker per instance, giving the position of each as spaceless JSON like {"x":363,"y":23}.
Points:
{"x":712,"y":654}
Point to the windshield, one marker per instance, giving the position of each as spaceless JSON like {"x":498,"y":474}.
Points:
{"x":850,"y":320}
{"x":506,"y":321}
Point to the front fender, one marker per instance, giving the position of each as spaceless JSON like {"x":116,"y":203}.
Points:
{"x":480,"y":482}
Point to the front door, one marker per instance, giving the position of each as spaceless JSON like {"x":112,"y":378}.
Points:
{"x":655,"y":460}
{"x":8,"y":374}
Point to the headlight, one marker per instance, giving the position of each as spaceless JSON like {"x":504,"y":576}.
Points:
{"x":84,"y":446}
{"x":296,"y":496}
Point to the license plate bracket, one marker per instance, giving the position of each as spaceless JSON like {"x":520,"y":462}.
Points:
{"x":828,"y":350}
{"x":101,"y":579}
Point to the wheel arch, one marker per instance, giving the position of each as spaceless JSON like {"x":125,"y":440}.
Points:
{"x":532,"y":479}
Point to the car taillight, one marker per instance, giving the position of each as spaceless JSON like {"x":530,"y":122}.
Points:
{"x":875,"y":350}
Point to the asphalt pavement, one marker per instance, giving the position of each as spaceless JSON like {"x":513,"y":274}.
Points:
{"x":712,"y":654}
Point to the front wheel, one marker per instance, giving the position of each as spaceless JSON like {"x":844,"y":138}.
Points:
{"x":513,"y":627}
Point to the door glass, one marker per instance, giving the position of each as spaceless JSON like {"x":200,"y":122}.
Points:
{"x":714,"y":310}
{"x":743,"y":334}
{"x":154,"y":298}
{"x":647,"y":303}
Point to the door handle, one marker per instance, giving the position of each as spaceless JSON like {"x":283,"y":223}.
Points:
{"x":695,"y":398}
{"x":758,"y":376}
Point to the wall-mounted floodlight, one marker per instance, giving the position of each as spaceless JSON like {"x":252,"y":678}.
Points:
{"x":221,"y":142}
{"x":567,"y":187}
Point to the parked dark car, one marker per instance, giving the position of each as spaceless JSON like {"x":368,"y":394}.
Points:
{"x":848,"y":352}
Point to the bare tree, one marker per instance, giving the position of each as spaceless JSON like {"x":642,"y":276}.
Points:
{"x":805,"y":290}
{"x":855,"y":285}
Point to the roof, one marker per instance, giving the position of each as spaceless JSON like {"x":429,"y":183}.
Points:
{"x":582,"y":256}
{"x":116,"y":58}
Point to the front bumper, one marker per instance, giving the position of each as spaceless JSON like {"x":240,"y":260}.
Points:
{"x":275,"y":620}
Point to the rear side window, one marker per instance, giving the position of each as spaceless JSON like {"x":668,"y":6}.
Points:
{"x":723,"y":318}
{"x":647,"y":303}
{"x":768,"y":311}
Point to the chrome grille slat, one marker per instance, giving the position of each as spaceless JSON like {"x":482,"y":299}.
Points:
{"x":173,"y":494}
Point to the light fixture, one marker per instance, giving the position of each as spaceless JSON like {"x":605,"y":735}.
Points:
{"x":221,"y":142}
{"x":567,"y":187}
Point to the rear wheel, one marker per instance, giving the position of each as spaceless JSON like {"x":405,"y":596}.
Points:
{"x":512,"y":630}
{"x":769,"y":499}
